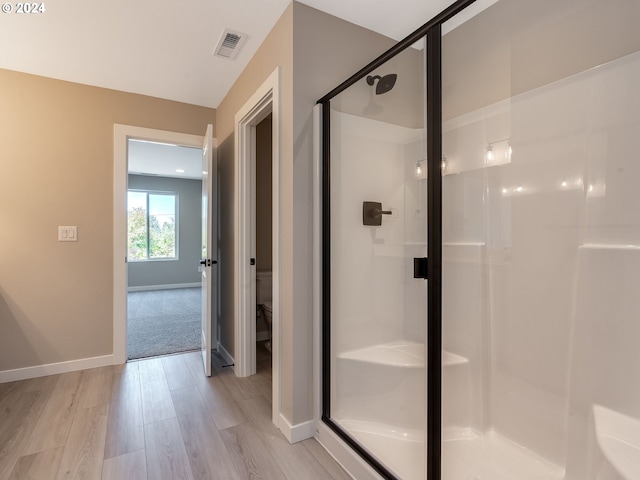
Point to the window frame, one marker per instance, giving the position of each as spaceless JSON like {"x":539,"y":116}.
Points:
{"x":147,"y":193}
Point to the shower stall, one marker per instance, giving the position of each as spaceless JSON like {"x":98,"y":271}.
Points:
{"x":481,"y":248}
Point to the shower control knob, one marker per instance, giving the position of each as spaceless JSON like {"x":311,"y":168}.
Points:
{"x":372,"y":213}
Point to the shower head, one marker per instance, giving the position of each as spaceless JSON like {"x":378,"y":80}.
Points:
{"x":385,"y":83}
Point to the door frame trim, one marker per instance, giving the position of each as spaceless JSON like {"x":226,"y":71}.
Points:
{"x":265,"y":100}
{"x":121,"y":135}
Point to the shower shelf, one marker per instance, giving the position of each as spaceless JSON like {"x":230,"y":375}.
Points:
{"x":609,"y":246}
{"x":399,"y":354}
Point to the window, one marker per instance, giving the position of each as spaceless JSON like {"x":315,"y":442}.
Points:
{"x":151,"y":225}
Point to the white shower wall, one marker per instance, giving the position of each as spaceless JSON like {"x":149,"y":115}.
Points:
{"x":369,"y":264}
{"x":541,"y":260}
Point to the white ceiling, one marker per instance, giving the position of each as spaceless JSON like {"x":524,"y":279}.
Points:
{"x":162,"y":48}
{"x":159,"y":159}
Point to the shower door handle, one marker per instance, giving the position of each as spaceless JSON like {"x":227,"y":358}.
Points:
{"x":420,"y":267}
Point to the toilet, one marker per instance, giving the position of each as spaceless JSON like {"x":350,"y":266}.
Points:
{"x":264,"y":289}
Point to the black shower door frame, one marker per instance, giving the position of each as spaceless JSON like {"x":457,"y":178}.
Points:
{"x":432,"y":32}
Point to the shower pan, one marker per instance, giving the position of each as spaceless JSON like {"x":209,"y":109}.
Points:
{"x":481,"y":248}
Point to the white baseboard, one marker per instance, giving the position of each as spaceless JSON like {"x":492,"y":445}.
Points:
{"x":55,"y":368}
{"x":145,"y":288}
{"x":227,"y":357}
{"x":297,"y":433}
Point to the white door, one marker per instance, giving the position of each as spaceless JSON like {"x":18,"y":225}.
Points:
{"x":209,"y":247}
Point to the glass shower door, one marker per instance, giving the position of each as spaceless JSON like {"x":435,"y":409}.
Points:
{"x":375,"y":310}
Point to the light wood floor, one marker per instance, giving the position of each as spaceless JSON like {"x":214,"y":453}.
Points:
{"x":154,"y":419}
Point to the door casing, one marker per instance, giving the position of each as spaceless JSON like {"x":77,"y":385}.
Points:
{"x":264,"y":101}
{"x":121,"y":136}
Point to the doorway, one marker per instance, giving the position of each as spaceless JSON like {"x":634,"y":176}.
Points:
{"x":163,"y":248}
{"x":155,"y":183}
{"x":264,"y":239}
{"x":264,"y":103}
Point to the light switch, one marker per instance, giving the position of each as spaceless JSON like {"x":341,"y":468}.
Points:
{"x":67,"y":234}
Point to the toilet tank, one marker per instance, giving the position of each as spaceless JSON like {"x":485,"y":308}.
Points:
{"x":264,"y":286}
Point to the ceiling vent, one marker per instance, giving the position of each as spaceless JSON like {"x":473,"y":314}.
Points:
{"x":229,"y":44}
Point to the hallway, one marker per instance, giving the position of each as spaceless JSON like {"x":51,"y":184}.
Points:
{"x":158,"y":419}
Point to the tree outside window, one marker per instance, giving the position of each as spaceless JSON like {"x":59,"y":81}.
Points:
{"x":151,"y":225}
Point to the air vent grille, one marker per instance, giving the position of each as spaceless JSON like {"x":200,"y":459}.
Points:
{"x":229,"y":44}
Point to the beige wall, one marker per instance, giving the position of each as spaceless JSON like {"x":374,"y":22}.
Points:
{"x":327,"y":50}
{"x":56,"y":153}
{"x":275,"y":51}
{"x":315,"y":52}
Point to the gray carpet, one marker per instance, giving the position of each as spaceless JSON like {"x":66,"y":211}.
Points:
{"x":163,"y":321}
